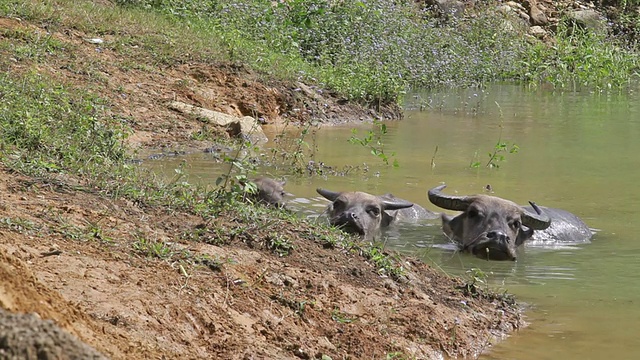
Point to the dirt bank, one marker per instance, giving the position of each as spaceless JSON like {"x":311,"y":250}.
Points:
{"x":78,"y":259}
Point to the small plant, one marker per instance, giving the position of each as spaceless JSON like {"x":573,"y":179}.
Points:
{"x":18,"y":225}
{"x":214,"y":264}
{"x":476,"y":277}
{"x":373,"y":141}
{"x":340,"y":317}
{"x":299,"y":307}
{"x":385,"y":263}
{"x":151,"y":248}
{"x":397,"y":355}
{"x":279,"y":244}
{"x":497,"y":155}
{"x":294,"y":152}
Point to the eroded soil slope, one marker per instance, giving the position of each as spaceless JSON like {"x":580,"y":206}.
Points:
{"x":74,"y":257}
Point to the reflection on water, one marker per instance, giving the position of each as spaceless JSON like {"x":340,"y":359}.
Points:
{"x":578,"y":152}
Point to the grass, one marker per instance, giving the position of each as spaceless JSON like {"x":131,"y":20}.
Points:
{"x":18,"y":225}
{"x":369,"y":52}
{"x":582,"y":59}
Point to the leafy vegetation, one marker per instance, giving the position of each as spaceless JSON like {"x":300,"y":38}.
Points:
{"x":582,"y":59}
{"x":373,"y":141}
{"x":497,"y":155}
{"x":371,"y":52}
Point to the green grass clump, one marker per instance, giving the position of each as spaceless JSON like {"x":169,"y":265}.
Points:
{"x":370,"y":52}
{"x":49,"y":127}
{"x":582,"y":59}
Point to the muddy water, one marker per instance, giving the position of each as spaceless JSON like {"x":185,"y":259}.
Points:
{"x":579,"y":152}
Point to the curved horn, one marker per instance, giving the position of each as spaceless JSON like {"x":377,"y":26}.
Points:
{"x":459,"y":203}
{"x":396,"y":204}
{"x":328,"y":194}
{"x":538,"y":221}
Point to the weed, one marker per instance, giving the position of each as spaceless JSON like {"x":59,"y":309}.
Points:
{"x":279,"y":244}
{"x":476,"y":277}
{"x":396,"y":356}
{"x":342,"y":318}
{"x":294,"y":152}
{"x":214,"y":264}
{"x":299,"y":307}
{"x":152,"y":248}
{"x":497,"y":155}
{"x":18,"y":225}
{"x":385,"y":263}
{"x":373,"y":141}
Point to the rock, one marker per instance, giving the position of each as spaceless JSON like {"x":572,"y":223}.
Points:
{"x":26,"y":336}
{"x":588,"y":19}
{"x":514,"y":5}
{"x":448,"y":7}
{"x":245,"y":127}
{"x":538,"y":32}
{"x":537,"y":16}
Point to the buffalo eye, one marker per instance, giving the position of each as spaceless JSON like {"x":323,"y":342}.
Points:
{"x":516,"y":224}
{"x":472,"y":213}
{"x":374,"y":211}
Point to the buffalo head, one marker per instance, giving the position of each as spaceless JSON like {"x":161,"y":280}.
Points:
{"x":270,"y":191}
{"x":361,"y":213}
{"x":489,"y":227}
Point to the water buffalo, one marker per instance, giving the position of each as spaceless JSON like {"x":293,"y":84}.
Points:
{"x":565,"y":227}
{"x":270,"y":191}
{"x":489,"y":227}
{"x":366,"y":215}
{"x":492,"y":228}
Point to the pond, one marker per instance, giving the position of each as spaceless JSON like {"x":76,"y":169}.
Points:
{"x":576,"y":151}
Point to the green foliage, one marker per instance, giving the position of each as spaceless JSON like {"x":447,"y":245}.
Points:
{"x":279,"y":244}
{"x":370,"y":52}
{"x":497,"y":155}
{"x":51,"y":128}
{"x":384,"y":262}
{"x":342,"y":318}
{"x":373,"y":141}
{"x":581,"y":59}
{"x":18,"y":225}
{"x":294,"y":152}
{"x":475,"y":279}
{"x":152,"y":248}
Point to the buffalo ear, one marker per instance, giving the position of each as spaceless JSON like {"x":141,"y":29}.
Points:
{"x":451,"y":225}
{"x":386,"y":219}
{"x":524,"y":234}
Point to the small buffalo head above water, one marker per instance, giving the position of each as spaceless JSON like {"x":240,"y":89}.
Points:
{"x":488,"y":227}
{"x":361,"y":213}
{"x":270,"y":191}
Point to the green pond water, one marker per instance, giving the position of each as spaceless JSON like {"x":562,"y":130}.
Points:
{"x":577,"y":151}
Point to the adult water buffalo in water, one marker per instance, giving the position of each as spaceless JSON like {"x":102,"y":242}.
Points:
{"x":364,"y":214}
{"x":492,"y":228}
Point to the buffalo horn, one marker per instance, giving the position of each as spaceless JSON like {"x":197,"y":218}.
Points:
{"x":538,"y":221}
{"x":395,"y":204}
{"x":328,"y":194}
{"x":459,"y":203}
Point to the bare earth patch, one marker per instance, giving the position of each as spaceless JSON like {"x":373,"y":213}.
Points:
{"x":72,"y":255}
